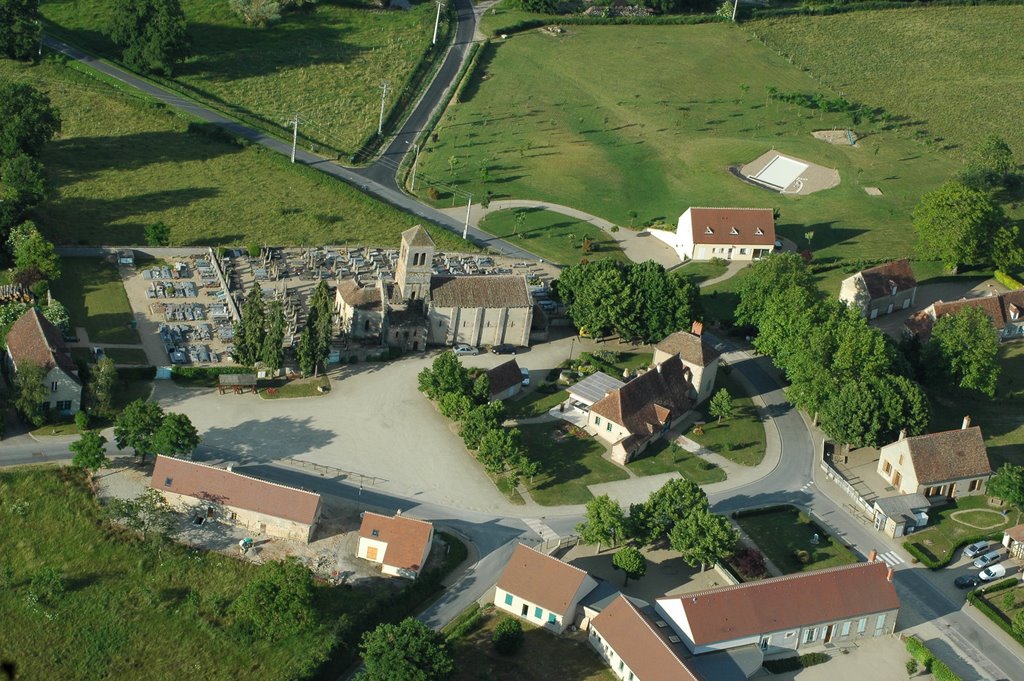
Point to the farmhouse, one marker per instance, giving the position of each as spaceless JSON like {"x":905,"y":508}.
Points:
{"x":542,"y":590}
{"x":400,"y":544}
{"x":257,"y":505}
{"x":950,"y":464}
{"x":699,"y":356}
{"x":880,"y":290}
{"x":34,"y":340}
{"x":1006,"y":312}
{"x":795,"y":612}
{"x":636,"y":414}
{"x":1013,"y":540}
{"x":505,"y":380}
{"x":727,"y":233}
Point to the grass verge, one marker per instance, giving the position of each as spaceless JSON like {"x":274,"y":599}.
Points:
{"x":553,"y":236}
{"x":95,"y":298}
{"x":784,"y":534}
{"x":301,"y":387}
{"x":664,"y":456}
{"x":739,"y":438}
{"x":536,"y":403}
{"x":568,"y":464}
{"x":936,"y":546}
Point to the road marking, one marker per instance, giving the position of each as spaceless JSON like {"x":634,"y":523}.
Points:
{"x":810,"y":483}
{"x":891,"y":558}
{"x":540,"y":528}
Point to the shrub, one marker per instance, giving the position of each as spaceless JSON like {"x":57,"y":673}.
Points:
{"x":720,"y":262}
{"x":82,"y":420}
{"x":803,"y":556}
{"x":783,"y":665}
{"x":811,"y":659}
{"x":750,"y":563}
{"x":433,"y":194}
{"x":911,"y":667}
{"x":508,"y":636}
{"x":465,"y":623}
{"x":1008,"y":281}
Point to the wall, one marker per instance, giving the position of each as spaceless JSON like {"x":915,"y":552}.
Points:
{"x":251,"y":520}
{"x":600,"y":424}
{"x":516,"y":608}
{"x":741,"y":252}
{"x":67,"y":390}
{"x":480,"y":326}
{"x":611,"y":658}
{"x":891,"y":454}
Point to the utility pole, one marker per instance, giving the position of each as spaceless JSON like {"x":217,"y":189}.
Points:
{"x":437,"y":22}
{"x":295,"y":134}
{"x":735,"y":9}
{"x":465,"y":228}
{"x":383,"y":98}
{"x":415,"y":158}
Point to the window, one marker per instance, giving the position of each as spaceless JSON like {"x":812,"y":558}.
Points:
{"x":366,"y":325}
{"x":622,"y":665}
{"x":887,"y":468}
{"x":552,"y":619}
{"x":974,"y":486}
{"x":733,"y":231}
{"x":764,"y":644}
{"x":901,"y":460}
{"x":508,"y":599}
{"x":609,"y":427}
{"x":880,"y":623}
{"x":375,"y":533}
{"x":810,"y":634}
{"x":759,"y":232}
{"x":597,"y":420}
{"x":168,"y":482}
{"x":931,"y":491}
{"x":708,"y":230}
{"x":64,"y":405}
{"x":631,"y":676}
{"x":845,"y":630}
{"x":440,"y":322}
{"x":53,"y":387}
{"x":538,"y":613}
{"x":862,"y":625}
{"x":743,"y":251}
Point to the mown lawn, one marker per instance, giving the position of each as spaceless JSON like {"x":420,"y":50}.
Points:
{"x":94,"y":296}
{"x":127,"y":355}
{"x":325,"y":62}
{"x":301,"y":387}
{"x":946,"y":533}
{"x":533,"y":404}
{"x":664,"y":456}
{"x":121,"y":163}
{"x":568,"y":464}
{"x":781,"y":532}
{"x":699,"y":272}
{"x":553,"y":236}
{"x":130,"y":609}
{"x":582,"y":119}
{"x":739,"y":438}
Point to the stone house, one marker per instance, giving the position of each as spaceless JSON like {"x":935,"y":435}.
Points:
{"x":217,"y":494}
{"x":880,"y":290}
{"x":727,"y":233}
{"x":542,"y":590}
{"x":505,"y":380}
{"x":699,"y":356}
{"x":943,"y":465}
{"x":1006,"y":312}
{"x":399,"y":544}
{"x":33,"y":339}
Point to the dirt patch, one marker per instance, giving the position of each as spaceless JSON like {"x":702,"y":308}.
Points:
{"x":840,"y":137}
{"x":812,"y":178}
{"x":872,"y":191}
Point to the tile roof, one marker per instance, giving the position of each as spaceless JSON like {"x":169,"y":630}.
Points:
{"x":365,"y":297}
{"x":788,"y":602}
{"x":950,"y":455}
{"x":1016,"y":533}
{"x":998,"y":308}
{"x":880,"y":280}
{"x":407,"y":538}
{"x":497,"y":290}
{"x":538,"y":578}
{"x":35,"y":340}
{"x":723,"y":221}
{"x":220,"y":486}
{"x":417,"y":236}
{"x":692,"y":348}
{"x":504,"y":376}
{"x":642,"y":405}
{"x":644,"y":648}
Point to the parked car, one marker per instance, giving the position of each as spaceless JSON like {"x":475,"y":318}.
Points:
{"x":504,"y":349}
{"x":548,"y":305}
{"x":967,"y":581}
{"x":987,"y":559}
{"x":463,"y":349}
{"x":526,"y":376}
{"x":976,"y":549}
{"x":992,"y":572}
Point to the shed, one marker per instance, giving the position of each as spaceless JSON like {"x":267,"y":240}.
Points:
{"x":236,"y":383}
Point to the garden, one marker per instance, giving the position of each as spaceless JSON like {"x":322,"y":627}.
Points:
{"x":665,"y":456}
{"x":791,"y":540}
{"x":94,"y":295}
{"x":570,"y":460}
{"x":739,"y":438}
{"x":967,"y":520}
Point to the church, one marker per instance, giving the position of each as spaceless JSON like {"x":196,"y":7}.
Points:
{"x":421,"y":308}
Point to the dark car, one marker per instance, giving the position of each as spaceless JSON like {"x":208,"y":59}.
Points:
{"x":967,"y":581}
{"x":504,"y":349}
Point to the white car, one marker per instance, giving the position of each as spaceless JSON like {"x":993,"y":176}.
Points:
{"x":463,"y":349}
{"x":987,"y":559}
{"x":526,"y":376}
{"x":992,"y":572}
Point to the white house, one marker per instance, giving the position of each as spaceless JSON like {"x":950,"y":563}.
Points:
{"x":400,"y":544}
{"x":950,"y":464}
{"x":727,"y":233}
{"x":699,"y":356}
{"x":34,"y":340}
{"x":1013,"y":540}
{"x":880,"y":290}
{"x":542,"y":590}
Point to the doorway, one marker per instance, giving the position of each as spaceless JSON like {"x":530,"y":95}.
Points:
{"x":828,"y":632}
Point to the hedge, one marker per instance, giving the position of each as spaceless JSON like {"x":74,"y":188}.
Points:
{"x":465,"y":623}
{"x":136,"y":373}
{"x":937,"y":562}
{"x":920,"y":652}
{"x":843,"y":8}
{"x":209,"y":372}
{"x":792,"y":664}
{"x":468,"y":70}
{"x":1008,"y":281}
{"x":979,"y":600}
{"x":573,"y":20}
{"x":762,"y":510}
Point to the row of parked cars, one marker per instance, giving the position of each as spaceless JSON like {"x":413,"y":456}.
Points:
{"x":987,"y":557}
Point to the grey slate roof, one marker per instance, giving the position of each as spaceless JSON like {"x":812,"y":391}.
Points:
{"x":500,"y":290}
{"x":595,"y":386}
{"x":417,"y":236}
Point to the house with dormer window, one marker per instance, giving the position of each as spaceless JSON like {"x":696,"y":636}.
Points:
{"x":880,"y":290}
{"x":727,"y":233}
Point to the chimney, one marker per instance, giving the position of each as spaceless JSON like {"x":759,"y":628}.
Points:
{"x":967,"y":423}
{"x":230,"y":466}
{"x":903,"y":434}
{"x":697,"y":329}
{"x":873,"y":556}
{"x":658,"y":367}
{"x":398,"y":512}
{"x":888,"y":576}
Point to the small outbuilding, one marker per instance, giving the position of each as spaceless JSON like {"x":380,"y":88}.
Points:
{"x":1013,"y":540}
{"x":400,"y":544}
{"x":505,"y":380}
{"x":236,"y":383}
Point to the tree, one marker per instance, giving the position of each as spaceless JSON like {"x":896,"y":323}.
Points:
{"x":1007,"y":254}
{"x":272,"y":352}
{"x":479,"y":421}
{"x":249,"y":331}
{"x":631,"y":562}
{"x":27,"y":120}
{"x":499,"y":450}
{"x":669,"y":505}
{"x":152,"y":34}
{"x":277,"y":603}
{"x":307,"y":351}
{"x":176,"y":436}
{"x":956,"y":224}
{"x":454,"y":406}
{"x":995,"y":156}
{"x":57,"y":315}
{"x":23,"y":183}
{"x":136,"y":425}
{"x":90,"y":453}
{"x":445,"y":375}
{"x":149,"y":513}
{"x":508,"y":636}
{"x":321,"y":321}
{"x":964,"y":346}
{"x":604,"y":524}
{"x":722,"y":406}
{"x":34,"y":251}
{"x":595,"y":294}
{"x":871,"y":412}
{"x":408,"y":650}
{"x":102,"y":384}
{"x":769,"y":277}
{"x":703,"y":538}
{"x":481,"y":388}
{"x":1018,"y":623}
{"x":158,"y":234}
{"x":659,"y":303}
{"x":29,"y":392}
{"x":19,"y":28}
{"x":1008,"y":484}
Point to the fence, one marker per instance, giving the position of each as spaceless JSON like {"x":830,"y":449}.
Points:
{"x":333,"y":472}
{"x":835,"y":476}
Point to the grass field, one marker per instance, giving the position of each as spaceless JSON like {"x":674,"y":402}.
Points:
{"x":584,"y":120}
{"x":129,"y":610}
{"x":664,"y":456}
{"x":94,"y":296}
{"x":945,"y":533}
{"x":325,"y":62}
{"x":553,"y":236}
{"x":961,"y":70}
{"x":781,"y":532}
{"x":121,"y":163}
{"x":533,"y":404}
{"x":740,"y":438}
{"x":568,"y":464}
{"x":302,"y":387}
{"x":698,"y":272}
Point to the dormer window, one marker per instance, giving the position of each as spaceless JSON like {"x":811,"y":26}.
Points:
{"x":759,"y":232}
{"x":375,"y":533}
{"x":708,"y":230}
{"x":734,"y":231}
{"x":168,"y":482}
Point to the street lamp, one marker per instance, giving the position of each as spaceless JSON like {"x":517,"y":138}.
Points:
{"x":572,"y":344}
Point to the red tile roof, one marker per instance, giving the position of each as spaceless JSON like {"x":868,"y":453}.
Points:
{"x":642,"y":405}
{"x":538,"y":578}
{"x":644,"y":648}
{"x":998,"y":308}
{"x":492,"y":290}
{"x":724,"y":221}
{"x":880,"y":280}
{"x":1016,"y":533}
{"x":220,"y":486}
{"x":34,"y":339}
{"x":365,"y":297}
{"x":504,"y":376}
{"x":789,"y":602}
{"x":949,"y":455}
{"x":407,"y":538}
